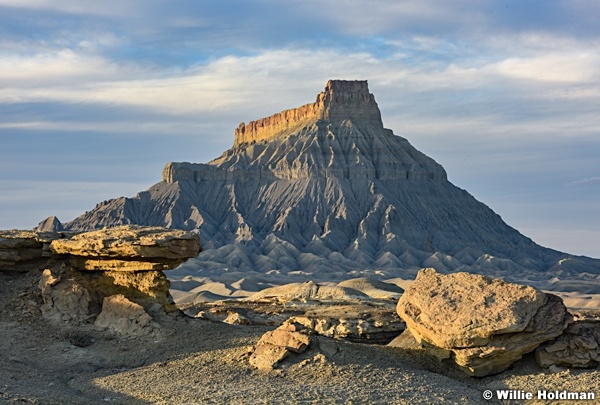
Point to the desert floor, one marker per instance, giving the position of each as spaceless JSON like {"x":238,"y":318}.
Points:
{"x":197,"y":361}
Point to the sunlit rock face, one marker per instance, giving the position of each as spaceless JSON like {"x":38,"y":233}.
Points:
{"x":480,"y":324}
{"x":325,"y":192}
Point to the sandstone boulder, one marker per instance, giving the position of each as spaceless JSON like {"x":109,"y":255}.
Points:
{"x":125,"y":317}
{"x":481,"y":324}
{"x":65,"y":300}
{"x":578,"y":347}
{"x":276,"y":345}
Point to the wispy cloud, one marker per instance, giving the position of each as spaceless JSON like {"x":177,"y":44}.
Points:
{"x":590,"y":181}
{"x":107,"y":7}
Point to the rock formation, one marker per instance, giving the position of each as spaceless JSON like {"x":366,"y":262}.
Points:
{"x":274,"y":346}
{"x":325,"y":192}
{"x":352,"y":322}
{"x":128,"y":248}
{"x":126,"y":260}
{"x":363,"y":322}
{"x":578,"y":347}
{"x":483,"y":325}
{"x":83,"y":271}
{"x":340,"y":100}
{"x":22,"y":251}
{"x":125,"y":317}
{"x":64,"y":300}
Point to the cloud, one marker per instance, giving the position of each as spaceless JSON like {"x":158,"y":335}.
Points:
{"x":66,"y":75}
{"x":563,"y":67}
{"x":590,"y":181}
{"x":504,"y":95}
{"x":106,"y":7}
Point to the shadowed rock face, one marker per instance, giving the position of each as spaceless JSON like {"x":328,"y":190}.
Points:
{"x":22,"y":251}
{"x":325,"y":192}
{"x":578,"y":346}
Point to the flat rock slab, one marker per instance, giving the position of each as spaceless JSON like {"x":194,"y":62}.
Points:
{"x":18,"y":239}
{"x":356,"y":323}
{"x":481,"y":324}
{"x":124,"y":247}
{"x":99,"y":264}
{"x":24,"y":250}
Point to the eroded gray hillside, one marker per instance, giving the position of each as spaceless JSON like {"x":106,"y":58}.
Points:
{"x":325,"y":192}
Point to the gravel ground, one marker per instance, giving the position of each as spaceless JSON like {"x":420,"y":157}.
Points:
{"x":200,"y":362}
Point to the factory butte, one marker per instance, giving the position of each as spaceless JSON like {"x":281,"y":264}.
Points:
{"x":323,"y":192}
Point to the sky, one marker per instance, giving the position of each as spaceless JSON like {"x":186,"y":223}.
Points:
{"x":96,"y":97}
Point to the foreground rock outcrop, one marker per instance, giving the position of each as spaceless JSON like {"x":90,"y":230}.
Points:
{"x":362,"y":322}
{"x":482,"y":325}
{"x":111,"y":276}
{"x":358,"y":310}
{"x":355,"y":323}
{"x":22,"y":251}
{"x":128,"y":248}
{"x":124,"y":261}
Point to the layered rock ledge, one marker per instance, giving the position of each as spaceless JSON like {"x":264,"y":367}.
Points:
{"x":22,"y":251}
{"x":128,"y":248}
{"x":90,"y":275}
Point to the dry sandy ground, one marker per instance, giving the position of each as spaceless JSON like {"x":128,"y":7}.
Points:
{"x":187,"y":287}
{"x":201,"y":362}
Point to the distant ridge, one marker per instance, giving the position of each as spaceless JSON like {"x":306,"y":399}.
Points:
{"x":324,"y":191}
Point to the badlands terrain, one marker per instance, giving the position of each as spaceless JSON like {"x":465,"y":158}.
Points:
{"x":313,"y":228}
{"x":204,"y":362}
{"x":324,"y":192}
